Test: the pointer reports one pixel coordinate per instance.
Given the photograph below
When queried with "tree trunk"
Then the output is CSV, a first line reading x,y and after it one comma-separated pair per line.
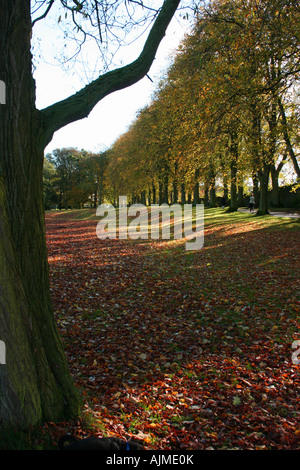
x,y
166,189
240,194
225,190
255,181
143,197
160,193
206,194
275,187
36,384
149,196
196,198
233,172
94,199
212,196
175,192
153,193
233,192
263,194
182,189
19,387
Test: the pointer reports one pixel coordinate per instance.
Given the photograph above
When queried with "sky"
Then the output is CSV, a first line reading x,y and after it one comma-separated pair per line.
x,y
112,116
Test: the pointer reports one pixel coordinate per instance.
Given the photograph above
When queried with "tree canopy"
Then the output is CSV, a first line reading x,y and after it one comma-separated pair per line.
x,y
227,108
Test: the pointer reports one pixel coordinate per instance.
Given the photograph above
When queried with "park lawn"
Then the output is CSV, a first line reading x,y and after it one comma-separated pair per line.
x,y
181,349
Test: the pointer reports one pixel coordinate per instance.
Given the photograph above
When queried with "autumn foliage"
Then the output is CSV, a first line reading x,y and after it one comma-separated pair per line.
x,y
225,112
182,350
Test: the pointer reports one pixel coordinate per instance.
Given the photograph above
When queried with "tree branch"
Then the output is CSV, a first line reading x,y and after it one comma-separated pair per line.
x,y
79,105
44,15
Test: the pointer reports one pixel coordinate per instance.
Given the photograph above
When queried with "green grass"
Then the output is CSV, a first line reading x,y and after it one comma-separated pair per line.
x,y
74,214
212,217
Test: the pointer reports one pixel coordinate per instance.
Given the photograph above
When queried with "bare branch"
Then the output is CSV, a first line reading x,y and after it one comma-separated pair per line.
x,y
79,105
44,15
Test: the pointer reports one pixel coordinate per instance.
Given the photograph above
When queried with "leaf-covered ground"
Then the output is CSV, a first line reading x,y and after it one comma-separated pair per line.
x,y
181,349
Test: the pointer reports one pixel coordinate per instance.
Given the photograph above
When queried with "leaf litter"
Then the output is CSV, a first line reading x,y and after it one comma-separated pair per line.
x,y
188,350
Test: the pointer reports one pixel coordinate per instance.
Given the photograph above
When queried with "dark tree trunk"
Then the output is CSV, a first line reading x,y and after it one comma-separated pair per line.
x,y
160,193
196,199
275,187
240,194
182,190
153,193
233,192
212,196
143,197
175,192
263,176
166,189
149,198
233,171
206,195
255,186
225,190
36,384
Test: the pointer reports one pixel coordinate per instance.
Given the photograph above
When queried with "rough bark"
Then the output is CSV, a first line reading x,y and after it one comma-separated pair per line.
x,y
18,378
35,383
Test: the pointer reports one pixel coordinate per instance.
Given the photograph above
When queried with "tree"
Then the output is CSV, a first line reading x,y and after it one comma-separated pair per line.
x,y
97,168
66,162
36,384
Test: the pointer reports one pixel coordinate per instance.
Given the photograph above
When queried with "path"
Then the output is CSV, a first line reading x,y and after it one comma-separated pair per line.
x,y
294,214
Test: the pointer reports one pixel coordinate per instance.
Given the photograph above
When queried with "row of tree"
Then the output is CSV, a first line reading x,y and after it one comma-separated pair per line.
x,y
226,110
